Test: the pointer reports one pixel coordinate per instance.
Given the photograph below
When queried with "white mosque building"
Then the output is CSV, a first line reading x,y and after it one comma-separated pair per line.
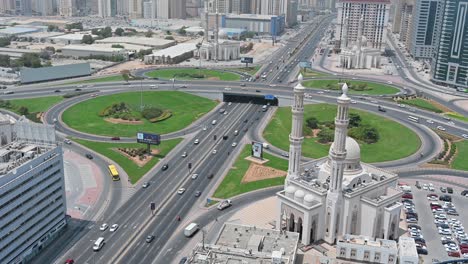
x,y
340,195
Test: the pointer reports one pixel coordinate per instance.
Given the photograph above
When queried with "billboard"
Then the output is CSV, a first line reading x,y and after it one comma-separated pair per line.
x,y
305,64
147,138
246,60
257,150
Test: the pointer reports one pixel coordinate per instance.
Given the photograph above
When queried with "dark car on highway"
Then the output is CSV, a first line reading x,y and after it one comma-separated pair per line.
x,y
165,167
89,156
115,138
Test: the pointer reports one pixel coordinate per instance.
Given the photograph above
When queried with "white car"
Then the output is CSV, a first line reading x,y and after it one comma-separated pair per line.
x,y
114,227
374,102
227,88
451,123
184,154
181,191
320,92
425,187
353,102
441,128
196,141
431,188
430,121
234,144
401,105
194,176
214,151
67,141
103,227
465,136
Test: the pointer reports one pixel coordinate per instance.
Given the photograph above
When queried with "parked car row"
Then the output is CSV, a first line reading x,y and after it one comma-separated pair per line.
x,y
450,230
414,229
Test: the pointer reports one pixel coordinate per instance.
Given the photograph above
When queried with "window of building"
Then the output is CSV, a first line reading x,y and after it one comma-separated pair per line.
x,y
366,255
353,253
377,257
342,252
391,258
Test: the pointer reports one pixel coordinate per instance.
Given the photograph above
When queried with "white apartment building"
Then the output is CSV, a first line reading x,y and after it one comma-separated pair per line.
x,y
135,8
67,8
375,18
366,249
32,191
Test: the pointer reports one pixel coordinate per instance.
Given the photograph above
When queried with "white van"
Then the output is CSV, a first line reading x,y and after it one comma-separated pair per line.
x,y
98,244
191,229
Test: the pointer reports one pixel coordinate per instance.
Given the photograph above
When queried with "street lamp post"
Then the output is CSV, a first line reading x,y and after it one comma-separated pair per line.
x,y
199,57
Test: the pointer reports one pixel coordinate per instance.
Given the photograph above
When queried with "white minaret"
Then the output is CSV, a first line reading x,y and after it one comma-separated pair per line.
x,y
296,138
337,155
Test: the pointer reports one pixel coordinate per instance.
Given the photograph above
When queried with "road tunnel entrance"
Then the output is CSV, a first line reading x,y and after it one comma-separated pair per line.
x,y
261,99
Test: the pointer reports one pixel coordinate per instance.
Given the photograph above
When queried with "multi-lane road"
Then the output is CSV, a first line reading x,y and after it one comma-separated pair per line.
x,y
135,218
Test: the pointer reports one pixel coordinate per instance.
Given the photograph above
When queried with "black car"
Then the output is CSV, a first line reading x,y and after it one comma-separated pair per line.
x,y
446,198
57,91
420,240
210,176
258,91
414,226
412,215
421,251
464,192
197,194
149,238
165,167
183,260
449,189
381,109
77,89
89,156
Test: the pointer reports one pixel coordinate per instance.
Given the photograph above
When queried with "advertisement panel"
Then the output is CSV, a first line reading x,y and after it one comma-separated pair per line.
x,y
257,150
147,138
246,60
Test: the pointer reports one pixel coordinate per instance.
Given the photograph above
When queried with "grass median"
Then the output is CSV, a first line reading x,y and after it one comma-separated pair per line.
x,y
232,184
460,162
134,171
193,74
395,141
369,88
34,106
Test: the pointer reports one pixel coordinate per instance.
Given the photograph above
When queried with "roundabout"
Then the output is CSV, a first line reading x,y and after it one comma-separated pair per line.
x,y
97,116
390,133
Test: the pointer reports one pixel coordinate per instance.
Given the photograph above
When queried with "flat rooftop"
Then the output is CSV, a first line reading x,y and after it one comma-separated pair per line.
x,y
150,42
176,50
18,153
251,16
407,247
91,48
364,240
17,30
249,244
74,36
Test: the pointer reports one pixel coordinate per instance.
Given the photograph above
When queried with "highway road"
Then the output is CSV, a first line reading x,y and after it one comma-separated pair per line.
x,y
135,218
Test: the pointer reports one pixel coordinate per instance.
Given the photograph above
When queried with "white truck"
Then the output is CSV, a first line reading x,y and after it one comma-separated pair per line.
x,y
191,229
265,145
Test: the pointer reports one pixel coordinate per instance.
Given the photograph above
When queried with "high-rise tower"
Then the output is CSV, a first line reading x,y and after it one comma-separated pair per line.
x,y
337,155
296,138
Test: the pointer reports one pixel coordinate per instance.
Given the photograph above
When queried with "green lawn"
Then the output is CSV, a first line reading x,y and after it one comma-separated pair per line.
x,y
113,78
185,108
376,88
134,171
312,73
421,103
396,141
457,116
231,184
461,159
249,70
182,74
35,105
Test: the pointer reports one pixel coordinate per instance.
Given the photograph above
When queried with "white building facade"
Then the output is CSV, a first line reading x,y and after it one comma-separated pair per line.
x,y
339,195
32,192
366,249
375,18
67,8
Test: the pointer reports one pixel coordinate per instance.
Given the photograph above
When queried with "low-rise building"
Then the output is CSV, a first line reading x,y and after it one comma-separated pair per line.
x,y
407,252
261,24
79,51
16,53
69,39
366,249
32,190
248,244
156,43
34,75
172,55
18,31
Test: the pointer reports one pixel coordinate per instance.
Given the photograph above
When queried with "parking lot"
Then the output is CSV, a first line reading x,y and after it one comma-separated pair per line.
x,y
426,218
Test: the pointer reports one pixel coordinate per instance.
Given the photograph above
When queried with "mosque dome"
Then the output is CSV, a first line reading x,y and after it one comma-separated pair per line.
x,y
353,151
309,198
290,190
299,195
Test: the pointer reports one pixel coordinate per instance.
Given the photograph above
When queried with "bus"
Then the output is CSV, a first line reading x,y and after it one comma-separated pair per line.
x,y
114,173
414,119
